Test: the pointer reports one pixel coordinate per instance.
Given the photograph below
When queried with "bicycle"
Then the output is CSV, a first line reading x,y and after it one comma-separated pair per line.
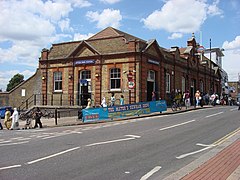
x,y
176,105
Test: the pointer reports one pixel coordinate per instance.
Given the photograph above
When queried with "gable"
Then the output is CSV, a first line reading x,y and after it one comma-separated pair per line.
x,y
106,33
85,51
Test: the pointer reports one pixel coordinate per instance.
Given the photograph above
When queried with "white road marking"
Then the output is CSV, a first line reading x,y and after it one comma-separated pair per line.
x,y
5,142
53,155
176,125
150,173
14,143
10,167
204,145
194,152
233,109
213,114
112,141
134,136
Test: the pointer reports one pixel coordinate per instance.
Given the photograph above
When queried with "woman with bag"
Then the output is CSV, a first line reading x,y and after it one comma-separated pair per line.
x,y
7,119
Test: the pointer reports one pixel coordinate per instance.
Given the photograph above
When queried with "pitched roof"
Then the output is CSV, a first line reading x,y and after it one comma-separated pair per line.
x,y
107,41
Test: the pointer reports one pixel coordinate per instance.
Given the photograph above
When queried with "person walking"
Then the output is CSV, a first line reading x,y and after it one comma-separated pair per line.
x,y
7,119
153,96
122,100
38,114
15,118
186,97
112,100
103,103
1,127
197,97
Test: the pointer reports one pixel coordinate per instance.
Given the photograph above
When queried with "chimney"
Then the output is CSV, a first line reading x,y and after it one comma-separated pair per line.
x,y
44,54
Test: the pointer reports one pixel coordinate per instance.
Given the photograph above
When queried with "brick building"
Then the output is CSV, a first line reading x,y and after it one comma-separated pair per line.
x,y
113,61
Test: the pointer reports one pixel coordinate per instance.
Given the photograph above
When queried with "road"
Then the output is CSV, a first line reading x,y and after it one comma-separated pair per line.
x,y
143,148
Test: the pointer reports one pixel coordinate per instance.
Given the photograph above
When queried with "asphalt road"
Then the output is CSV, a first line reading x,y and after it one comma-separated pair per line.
x,y
145,148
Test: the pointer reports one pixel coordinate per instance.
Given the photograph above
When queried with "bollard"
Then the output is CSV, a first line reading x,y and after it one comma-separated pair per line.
x,y
55,116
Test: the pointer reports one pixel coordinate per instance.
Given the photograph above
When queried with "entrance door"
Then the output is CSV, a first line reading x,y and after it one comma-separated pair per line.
x,y
150,84
84,87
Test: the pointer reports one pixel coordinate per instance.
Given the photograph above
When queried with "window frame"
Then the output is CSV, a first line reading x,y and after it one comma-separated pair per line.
x,y
168,83
58,80
115,80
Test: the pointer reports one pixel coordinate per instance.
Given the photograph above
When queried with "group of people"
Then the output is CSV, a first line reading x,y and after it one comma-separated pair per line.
x,y
112,101
11,121
198,99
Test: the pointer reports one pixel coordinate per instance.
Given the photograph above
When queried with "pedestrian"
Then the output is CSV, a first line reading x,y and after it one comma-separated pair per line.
x,y
7,119
186,97
153,96
15,118
1,127
103,103
112,100
38,114
122,100
89,104
197,98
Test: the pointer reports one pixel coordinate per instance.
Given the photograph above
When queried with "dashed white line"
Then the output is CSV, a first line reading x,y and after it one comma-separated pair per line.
x,y
213,114
112,141
150,173
14,143
53,155
176,125
10,167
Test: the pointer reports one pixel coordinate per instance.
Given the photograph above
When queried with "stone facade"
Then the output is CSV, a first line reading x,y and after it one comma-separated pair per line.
x,y
145,63
25,95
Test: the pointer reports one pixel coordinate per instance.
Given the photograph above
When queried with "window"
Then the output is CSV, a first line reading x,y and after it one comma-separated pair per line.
x,y
115,79
183,84
86,74
57,81
201,86
151,75
168,83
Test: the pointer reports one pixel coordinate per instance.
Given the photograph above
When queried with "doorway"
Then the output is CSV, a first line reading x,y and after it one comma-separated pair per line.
x,y
84,87
150,84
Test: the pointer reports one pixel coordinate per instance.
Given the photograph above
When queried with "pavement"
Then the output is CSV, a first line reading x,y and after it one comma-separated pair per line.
x,y
221,163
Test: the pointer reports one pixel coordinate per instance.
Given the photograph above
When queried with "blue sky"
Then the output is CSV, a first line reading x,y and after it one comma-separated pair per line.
x,y
28,26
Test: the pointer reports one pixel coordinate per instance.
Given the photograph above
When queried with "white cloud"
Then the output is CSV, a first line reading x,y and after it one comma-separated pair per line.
x,y
181,16
231,63
235,44
213,9
79,37
108,17
65,25
175,36
231,59
110,1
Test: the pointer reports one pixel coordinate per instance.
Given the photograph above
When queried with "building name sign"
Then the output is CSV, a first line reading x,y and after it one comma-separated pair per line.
x,y
90,61
153,62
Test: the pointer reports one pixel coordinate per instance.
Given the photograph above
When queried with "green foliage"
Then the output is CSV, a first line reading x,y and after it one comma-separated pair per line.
x,y
16,80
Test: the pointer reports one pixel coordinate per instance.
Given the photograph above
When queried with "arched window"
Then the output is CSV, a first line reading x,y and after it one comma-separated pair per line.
x,y
115,79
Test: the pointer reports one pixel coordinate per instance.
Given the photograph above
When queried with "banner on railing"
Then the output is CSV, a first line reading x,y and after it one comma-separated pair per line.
x,y
108,113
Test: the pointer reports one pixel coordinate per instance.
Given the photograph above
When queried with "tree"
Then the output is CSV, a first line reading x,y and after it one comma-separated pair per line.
x,y
16,80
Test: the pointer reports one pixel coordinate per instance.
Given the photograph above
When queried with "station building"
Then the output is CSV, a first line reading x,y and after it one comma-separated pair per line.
x,y
113,61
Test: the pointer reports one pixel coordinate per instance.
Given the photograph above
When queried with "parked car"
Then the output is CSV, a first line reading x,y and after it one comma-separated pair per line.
x,y
3,110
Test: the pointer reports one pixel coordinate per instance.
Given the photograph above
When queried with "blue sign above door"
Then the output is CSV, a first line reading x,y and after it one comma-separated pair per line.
x,y
89,61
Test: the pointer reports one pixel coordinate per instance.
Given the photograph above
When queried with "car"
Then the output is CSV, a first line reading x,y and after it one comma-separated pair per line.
x,y
3,110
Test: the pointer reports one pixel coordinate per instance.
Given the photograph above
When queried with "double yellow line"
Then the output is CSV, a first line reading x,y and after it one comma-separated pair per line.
x,y
223,139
